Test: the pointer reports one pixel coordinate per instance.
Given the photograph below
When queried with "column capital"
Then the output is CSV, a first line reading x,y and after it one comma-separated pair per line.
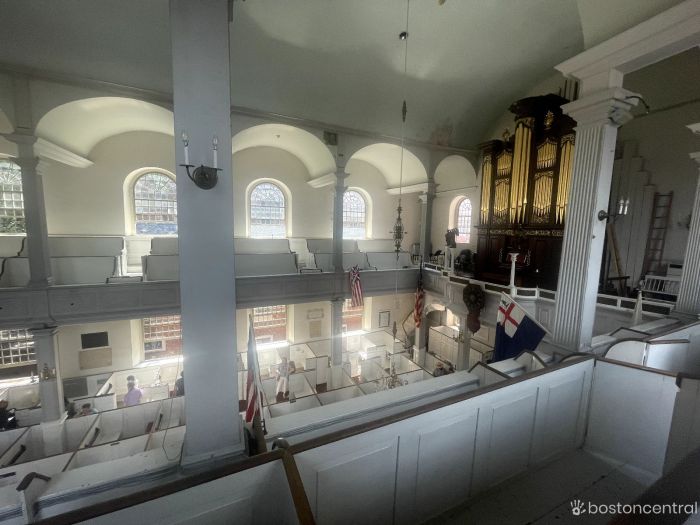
x,y
696,157
27,163
609,106
20,138
44,333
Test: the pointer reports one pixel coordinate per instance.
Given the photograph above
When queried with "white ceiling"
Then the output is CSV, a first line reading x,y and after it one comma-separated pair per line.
x,y
335,61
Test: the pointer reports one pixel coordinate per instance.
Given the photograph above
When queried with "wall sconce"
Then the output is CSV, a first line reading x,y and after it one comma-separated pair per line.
x,y
622,209
204,177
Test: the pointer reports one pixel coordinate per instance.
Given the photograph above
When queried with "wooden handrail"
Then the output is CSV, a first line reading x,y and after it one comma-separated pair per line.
x,y
296,486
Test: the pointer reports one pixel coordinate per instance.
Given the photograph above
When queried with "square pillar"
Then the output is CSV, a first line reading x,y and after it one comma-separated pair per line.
x,y
50,381
688,301
202,101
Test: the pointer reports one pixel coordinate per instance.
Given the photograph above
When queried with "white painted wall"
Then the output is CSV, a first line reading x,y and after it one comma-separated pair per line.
x,y
122,340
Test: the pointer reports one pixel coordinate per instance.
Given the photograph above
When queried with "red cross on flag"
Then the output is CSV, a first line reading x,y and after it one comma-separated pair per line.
x,y
515,330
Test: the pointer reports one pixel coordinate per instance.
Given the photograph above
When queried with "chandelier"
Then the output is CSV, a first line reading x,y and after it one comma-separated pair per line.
x,y
398,231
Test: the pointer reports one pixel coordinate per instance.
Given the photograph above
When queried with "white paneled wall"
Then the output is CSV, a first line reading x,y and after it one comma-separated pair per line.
x,y
630,415
409,471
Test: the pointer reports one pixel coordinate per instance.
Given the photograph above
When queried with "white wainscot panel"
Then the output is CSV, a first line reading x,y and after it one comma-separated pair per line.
x,y
511,435
350,487
560,424
445,462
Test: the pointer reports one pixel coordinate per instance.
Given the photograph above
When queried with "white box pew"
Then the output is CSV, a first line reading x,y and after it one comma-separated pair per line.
x,y
28,447
117,383
160,267
324,261
23,396
510,367
155,393
100,403
487,375
255,265
379,338
171,440
414,377
90,246
173,412
167,267
169,373
298,246
108,452
628,351
15,272
28,417
375,245
326,245
388,260
252,246
9,437
11,476
122,423
281,409
673,356
342,394
75,430
164,246
11,245
84,270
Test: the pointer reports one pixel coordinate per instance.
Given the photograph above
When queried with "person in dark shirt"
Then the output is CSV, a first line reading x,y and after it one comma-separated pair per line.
x,y
7,417
180,385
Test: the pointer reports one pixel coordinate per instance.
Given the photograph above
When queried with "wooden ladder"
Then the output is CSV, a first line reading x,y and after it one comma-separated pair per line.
x,y
656,238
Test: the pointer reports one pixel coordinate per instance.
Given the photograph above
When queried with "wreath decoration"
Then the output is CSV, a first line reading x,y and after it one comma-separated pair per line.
x,y
474,297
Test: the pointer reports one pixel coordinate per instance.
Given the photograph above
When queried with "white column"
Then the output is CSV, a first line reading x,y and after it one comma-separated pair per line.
x,y
51,387
513,262
340,188
37,242
426,208
689,293
337,332
202,98
598,115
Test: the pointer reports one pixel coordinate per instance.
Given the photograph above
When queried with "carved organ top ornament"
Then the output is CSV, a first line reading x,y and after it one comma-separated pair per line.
x,y
524,194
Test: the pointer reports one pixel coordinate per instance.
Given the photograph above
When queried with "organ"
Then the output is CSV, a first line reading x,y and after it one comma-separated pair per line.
x,y
524,194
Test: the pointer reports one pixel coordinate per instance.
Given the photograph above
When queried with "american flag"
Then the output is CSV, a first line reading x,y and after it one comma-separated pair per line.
x,y
253,388
356,286
418,310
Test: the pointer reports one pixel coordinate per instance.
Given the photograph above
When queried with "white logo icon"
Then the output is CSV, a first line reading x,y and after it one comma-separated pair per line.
x,y
577,507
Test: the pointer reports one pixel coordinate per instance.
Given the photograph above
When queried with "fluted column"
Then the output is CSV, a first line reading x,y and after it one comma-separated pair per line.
x,y
50,382
689,293
426,209
598,116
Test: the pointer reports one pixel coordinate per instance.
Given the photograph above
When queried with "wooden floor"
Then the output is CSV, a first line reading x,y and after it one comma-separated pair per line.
x,y
544,496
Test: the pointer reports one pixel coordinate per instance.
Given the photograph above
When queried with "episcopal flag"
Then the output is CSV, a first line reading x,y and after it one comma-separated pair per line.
x,y
515,330
418,309
252,386
355,286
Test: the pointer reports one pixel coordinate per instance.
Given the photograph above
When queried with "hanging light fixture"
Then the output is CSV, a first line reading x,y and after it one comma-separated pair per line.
x,y
398,231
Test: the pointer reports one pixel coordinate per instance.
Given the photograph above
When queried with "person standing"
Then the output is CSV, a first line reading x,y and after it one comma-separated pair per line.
x,y
134,394
180,385
283,371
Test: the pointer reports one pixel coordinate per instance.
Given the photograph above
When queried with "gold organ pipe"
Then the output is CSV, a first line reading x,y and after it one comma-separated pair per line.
x,y
521,158
565,172
487,172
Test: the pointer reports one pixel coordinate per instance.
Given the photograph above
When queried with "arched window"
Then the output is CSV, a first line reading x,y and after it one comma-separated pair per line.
x,y
464,221
155,204
268,212
12,200
354,215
